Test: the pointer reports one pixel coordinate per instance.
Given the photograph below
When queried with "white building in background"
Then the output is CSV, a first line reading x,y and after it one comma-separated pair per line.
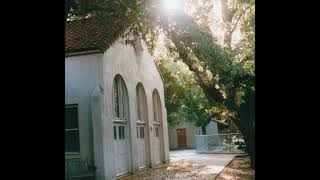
x,y
115,116
182,136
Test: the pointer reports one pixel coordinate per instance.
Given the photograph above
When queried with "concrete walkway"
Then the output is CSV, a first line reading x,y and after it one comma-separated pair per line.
x,y
214,163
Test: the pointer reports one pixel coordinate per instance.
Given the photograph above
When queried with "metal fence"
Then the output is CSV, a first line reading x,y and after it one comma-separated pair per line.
x,y
220,143
77,169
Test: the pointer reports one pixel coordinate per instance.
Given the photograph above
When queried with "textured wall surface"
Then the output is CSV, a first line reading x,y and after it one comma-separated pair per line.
x,y
89,81
82,74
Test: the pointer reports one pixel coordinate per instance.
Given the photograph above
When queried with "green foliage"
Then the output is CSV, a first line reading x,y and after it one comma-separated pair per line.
x,y
78,9
196,47
222,80
185,100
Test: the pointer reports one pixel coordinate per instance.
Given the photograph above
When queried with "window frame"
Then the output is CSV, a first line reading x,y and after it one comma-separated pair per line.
x,y
142,105
121,132
157,109
72,105
121,101
142,132
156,130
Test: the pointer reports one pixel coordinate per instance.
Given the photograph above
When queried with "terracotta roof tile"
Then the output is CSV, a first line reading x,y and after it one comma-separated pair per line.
x,y
96,33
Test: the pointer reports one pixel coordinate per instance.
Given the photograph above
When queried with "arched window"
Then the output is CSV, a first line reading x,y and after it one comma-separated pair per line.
x,y
156,106
120,99
141,104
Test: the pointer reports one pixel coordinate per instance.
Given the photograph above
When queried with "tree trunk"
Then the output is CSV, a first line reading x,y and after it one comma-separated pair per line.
x,y
227,38
251,149
204,131
231,16
67,7
199,62
227,17
247,129
246,124
196,65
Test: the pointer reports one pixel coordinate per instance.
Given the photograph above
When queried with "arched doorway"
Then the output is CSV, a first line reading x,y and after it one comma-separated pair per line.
x,y
157,124
142,128
121,129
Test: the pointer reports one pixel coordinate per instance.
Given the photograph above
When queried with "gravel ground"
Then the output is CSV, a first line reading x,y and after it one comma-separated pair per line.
x,y
238,169
176,169
185,165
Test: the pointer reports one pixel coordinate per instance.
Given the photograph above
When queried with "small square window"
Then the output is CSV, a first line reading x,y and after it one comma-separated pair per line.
x,y
137,132
114,132
121,132
141,132
157,131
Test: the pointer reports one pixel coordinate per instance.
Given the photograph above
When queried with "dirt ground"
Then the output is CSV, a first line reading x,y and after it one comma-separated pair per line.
x,y
185,165
176,169
238,169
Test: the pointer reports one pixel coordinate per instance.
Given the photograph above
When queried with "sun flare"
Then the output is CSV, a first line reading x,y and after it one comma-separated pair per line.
x,y
172,5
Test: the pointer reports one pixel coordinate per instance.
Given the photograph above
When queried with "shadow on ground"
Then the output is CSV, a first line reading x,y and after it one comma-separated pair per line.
x,y
187,165
176,169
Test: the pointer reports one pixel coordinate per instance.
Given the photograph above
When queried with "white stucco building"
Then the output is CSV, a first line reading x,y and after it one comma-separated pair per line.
x,y
115,116
182,136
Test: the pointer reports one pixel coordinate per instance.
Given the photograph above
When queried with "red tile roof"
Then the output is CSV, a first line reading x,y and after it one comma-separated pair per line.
x,y
96,33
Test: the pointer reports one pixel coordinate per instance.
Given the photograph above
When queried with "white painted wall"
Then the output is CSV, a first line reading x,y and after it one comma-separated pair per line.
x,y
191,131
133,67
82,75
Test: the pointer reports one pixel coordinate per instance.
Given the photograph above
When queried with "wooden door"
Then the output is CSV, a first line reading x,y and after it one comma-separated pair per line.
x,y
182,138
157,144
143,159
122,158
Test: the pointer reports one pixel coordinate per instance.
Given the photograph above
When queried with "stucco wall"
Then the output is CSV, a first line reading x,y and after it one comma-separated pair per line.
x,y
82,75
191,131
134,67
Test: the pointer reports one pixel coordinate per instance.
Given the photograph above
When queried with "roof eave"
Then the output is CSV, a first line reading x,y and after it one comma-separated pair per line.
x,y
219,122
83,52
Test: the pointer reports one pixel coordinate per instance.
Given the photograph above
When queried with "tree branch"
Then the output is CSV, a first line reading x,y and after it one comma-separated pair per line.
x,y
238,19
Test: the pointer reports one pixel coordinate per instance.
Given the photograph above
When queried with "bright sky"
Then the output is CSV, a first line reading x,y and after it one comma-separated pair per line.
x,y
216,27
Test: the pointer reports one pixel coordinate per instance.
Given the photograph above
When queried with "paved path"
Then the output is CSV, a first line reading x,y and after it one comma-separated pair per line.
x,y
213,162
